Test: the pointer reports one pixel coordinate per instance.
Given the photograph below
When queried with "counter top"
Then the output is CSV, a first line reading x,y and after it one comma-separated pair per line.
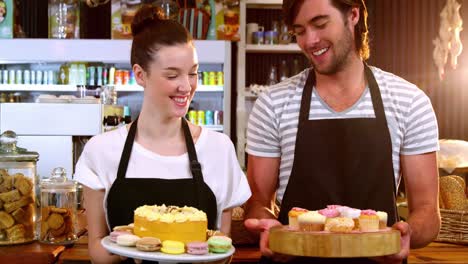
x,y
37,253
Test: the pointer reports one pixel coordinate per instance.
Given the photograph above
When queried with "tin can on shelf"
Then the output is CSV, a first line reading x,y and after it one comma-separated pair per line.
x,y
27,77
19,77
211,78
220,78
58,209
205,78
118,78
17,191
11,77
209,118
125,77
218,118
192,116
33,77
5,77
201,117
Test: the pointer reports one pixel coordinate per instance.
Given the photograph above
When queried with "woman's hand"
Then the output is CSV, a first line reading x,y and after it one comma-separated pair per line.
x,y
262,227
405,239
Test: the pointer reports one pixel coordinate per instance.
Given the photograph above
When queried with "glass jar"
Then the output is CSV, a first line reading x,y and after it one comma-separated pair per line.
x,y
17,192
58,209
64,19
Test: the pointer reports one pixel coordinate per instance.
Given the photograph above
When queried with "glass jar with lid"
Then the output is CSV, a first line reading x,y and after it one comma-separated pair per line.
x,y
58,209
17,191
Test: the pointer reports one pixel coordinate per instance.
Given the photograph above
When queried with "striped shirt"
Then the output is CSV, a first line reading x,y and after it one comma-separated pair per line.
x,y
272,127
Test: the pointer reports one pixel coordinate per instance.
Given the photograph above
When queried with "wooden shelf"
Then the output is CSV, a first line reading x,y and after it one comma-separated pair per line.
x,y
289,48
264,4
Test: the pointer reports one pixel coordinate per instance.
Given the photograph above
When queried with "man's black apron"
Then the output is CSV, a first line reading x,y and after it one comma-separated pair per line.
x,y
341,161
126,194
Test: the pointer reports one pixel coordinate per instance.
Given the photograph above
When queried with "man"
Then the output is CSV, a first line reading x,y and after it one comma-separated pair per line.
x,y
341,133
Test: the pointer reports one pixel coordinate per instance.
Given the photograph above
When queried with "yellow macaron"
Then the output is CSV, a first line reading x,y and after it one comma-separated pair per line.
x,y
173,247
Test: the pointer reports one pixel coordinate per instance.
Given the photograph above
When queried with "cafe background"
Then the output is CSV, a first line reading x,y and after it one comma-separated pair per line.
x,y
401,33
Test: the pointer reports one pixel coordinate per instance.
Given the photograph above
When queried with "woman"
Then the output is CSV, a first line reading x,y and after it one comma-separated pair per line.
x,y
160,157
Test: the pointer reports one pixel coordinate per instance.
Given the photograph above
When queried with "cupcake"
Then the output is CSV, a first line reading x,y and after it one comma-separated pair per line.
x,y
351,213
368,221
382,219
339,225
329,212
311,221
293,214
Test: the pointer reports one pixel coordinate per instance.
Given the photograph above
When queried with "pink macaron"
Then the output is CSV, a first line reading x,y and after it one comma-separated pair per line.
x,y
114,234
197,248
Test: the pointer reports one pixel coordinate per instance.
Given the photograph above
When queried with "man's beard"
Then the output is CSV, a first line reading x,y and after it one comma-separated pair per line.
x,y
343,48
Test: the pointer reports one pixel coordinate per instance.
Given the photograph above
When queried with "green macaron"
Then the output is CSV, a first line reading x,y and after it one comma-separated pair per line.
x,y
219,244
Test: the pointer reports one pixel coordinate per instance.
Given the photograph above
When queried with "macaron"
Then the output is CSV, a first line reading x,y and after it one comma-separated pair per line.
x,y
114,234
127,240
148,244
123,228
219,244
172,247
197,248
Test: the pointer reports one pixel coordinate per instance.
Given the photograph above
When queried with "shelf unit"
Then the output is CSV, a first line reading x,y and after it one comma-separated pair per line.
x,y
211,53
74,88
52,129
289,48
246,98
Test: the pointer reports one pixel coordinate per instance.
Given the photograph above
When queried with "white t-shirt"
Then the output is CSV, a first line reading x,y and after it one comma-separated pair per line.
x,y
272,126
99,161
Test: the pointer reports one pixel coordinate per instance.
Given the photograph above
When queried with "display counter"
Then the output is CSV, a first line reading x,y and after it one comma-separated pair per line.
x,y
441,253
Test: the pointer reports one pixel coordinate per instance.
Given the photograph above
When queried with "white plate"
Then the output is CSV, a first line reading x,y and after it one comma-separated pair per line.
x,y
132,252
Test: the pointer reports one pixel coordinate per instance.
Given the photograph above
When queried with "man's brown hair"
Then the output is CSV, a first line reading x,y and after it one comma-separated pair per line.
x,y
361,32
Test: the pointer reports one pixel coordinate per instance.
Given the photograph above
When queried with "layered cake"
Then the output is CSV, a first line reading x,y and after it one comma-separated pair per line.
x,y
184,224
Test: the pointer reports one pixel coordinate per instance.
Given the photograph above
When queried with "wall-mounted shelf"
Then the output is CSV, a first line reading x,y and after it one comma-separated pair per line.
x,y
267,4
38,88
73,88
215,128
289,48
105,50
200,88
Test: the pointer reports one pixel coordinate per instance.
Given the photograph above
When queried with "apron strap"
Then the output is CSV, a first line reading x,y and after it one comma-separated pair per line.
x,y
195,166
127,150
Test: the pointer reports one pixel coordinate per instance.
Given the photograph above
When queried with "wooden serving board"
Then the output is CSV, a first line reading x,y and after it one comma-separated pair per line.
x,y
330,245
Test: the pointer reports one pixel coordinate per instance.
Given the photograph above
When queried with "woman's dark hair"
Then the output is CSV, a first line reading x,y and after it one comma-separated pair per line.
x,y
150,33
361,31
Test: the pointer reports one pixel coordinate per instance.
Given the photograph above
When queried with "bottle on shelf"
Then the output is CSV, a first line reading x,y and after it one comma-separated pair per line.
x,y
272,76
283,71
63,74
296,69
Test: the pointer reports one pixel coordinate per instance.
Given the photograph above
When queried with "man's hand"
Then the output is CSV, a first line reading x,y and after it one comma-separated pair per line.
x,y
405,230
262,227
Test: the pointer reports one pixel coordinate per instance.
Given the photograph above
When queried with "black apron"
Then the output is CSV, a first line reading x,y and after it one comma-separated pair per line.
x,y
126,194
341,161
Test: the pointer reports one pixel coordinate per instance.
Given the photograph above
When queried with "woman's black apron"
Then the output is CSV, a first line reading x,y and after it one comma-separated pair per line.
x,y
341,161
126,194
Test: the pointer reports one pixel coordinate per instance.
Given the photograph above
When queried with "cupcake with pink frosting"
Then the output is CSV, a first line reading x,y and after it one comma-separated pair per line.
x,y
368,221
329,212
